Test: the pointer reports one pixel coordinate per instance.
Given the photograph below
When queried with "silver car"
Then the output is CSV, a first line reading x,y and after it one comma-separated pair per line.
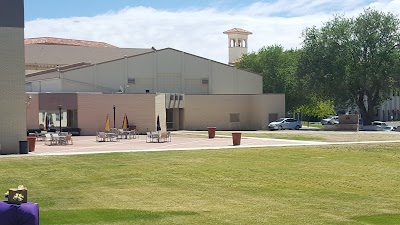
x,y
330,120
285,123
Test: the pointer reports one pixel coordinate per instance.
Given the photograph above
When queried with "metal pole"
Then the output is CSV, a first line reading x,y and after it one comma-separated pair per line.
x,y
114,115
59,109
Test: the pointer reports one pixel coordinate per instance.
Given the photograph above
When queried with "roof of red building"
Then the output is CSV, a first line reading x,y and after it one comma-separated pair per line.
x,y
63,41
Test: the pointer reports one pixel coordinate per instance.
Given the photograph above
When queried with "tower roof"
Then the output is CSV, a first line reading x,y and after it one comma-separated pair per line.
x,y
237,31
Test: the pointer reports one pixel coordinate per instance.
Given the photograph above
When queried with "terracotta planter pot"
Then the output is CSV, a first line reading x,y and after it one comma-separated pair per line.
x,y
236,137
31,143
211,132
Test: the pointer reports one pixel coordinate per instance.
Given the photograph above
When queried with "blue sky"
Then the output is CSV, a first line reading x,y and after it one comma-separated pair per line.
x,y
191,26
57,9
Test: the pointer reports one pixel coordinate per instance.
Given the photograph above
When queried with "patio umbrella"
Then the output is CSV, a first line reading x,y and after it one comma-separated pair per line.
x,y
46,122
107,127
125,124
158,123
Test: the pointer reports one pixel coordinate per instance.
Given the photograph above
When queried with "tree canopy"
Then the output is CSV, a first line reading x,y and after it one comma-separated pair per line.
x,y
353,61
278,68
348,62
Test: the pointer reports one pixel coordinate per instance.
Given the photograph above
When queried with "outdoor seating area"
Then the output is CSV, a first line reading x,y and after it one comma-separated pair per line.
x,y
60,138
158,137
116,135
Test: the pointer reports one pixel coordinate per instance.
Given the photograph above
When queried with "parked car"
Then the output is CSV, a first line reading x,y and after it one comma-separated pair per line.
x,y
330,120
285,123
382,125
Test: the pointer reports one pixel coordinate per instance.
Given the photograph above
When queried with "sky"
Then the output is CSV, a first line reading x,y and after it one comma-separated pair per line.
x,y
195,27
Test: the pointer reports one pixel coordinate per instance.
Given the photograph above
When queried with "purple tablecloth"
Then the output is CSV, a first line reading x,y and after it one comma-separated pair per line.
x,y
23,214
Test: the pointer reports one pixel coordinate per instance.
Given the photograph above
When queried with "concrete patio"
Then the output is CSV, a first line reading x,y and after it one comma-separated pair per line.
x,y
89,145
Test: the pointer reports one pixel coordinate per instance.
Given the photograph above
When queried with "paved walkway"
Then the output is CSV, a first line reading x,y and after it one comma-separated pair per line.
x,y
88,145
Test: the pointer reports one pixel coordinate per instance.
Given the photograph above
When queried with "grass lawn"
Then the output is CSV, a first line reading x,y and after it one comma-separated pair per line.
x,y
347,184
325,136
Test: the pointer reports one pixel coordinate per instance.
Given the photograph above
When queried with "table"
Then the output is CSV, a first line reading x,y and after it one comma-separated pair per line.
x,y
60,139
126,133
111,136
19,214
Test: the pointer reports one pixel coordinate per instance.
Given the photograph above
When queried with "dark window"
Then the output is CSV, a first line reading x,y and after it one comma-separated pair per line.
x,y
234,117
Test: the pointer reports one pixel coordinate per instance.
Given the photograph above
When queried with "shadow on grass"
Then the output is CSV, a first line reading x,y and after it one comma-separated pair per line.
x,y
383,219
95,216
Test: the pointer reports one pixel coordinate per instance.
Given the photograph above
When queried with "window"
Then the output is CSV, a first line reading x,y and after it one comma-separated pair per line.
x,y
58,116
204,81
131,81
234,117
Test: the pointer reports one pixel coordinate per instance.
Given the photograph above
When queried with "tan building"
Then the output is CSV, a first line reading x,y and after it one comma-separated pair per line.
x,y
12,94
186,91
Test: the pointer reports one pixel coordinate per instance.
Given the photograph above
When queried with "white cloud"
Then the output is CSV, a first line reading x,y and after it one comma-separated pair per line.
x,y
199,31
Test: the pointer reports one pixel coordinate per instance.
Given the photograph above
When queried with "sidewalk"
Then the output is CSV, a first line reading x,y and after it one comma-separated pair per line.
x,y
88,145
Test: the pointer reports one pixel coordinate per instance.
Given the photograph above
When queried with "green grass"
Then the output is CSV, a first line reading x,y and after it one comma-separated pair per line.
x,y
352,185
288,136
278,135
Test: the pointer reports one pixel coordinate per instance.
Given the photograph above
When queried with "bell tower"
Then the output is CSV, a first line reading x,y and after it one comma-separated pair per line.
x,y
237,43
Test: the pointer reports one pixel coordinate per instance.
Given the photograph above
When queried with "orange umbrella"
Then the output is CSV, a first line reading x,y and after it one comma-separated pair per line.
x,y
125,124
107,127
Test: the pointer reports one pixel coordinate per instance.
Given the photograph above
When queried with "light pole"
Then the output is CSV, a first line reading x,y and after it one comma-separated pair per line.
x,y
114,115
59,110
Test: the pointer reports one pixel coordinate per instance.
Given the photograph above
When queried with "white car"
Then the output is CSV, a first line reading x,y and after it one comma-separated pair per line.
x,y
285,123
381,125
330,120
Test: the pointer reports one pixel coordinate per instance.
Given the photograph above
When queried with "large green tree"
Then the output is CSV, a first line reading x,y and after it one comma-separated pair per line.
x,y
353,61
278,68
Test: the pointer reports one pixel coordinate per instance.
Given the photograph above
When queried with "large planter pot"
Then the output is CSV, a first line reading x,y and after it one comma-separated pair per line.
x,y
236,137
211,132
31,143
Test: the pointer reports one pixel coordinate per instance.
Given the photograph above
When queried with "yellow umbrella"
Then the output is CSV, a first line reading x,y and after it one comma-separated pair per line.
x,y
125,123
46,119
107,127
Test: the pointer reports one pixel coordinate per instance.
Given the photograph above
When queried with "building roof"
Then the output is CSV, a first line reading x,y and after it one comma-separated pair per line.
x,y
63,41
237,31
68,54
51,73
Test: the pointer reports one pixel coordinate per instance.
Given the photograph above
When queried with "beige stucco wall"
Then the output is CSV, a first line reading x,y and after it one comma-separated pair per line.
x,y
202,111
263,105
140,108
167,70
32,111
12,89
160,111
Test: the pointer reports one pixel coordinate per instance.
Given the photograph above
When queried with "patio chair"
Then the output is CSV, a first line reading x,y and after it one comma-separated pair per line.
x,y
133,134
49,138
164,137
148,136
38,136
101,136
69,139
151,136
169,136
